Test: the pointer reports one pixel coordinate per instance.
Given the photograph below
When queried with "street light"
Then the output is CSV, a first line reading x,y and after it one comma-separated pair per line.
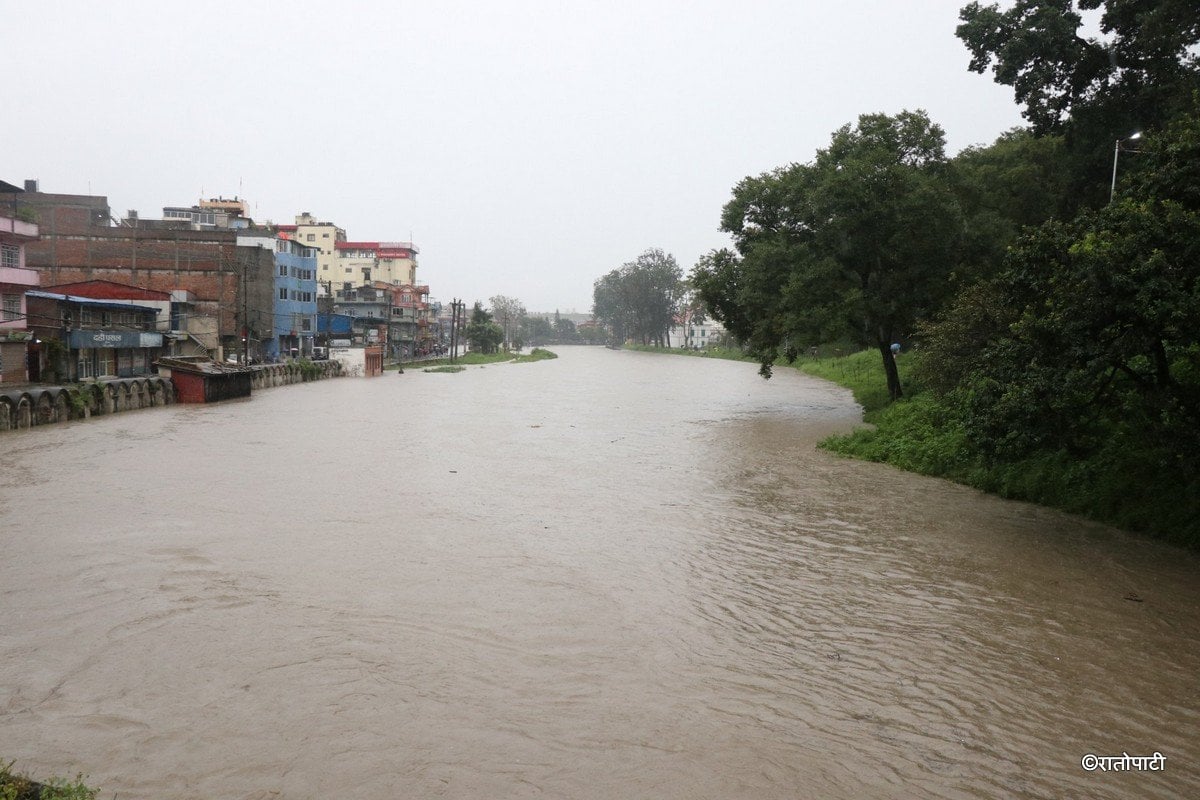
x,y
1116,153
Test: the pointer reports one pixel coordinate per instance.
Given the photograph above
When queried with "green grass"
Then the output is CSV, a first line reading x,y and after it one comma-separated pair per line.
x,y
479,359
20,787
536,354
466,359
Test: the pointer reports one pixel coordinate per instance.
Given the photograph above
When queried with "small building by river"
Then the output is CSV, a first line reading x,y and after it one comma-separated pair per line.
x,y
199,380
80,337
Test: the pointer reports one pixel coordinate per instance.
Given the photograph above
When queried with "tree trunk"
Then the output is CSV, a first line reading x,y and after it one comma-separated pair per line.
x,y
889,367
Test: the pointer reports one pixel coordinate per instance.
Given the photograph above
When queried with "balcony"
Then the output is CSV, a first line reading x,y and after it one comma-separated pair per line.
x,y
17,231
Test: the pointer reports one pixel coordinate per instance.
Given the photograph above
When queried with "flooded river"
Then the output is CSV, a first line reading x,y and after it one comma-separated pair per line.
x,y
612,575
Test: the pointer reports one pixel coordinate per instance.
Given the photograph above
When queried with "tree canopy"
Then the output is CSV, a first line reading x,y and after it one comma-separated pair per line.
x,y
858,243
639,300
483,335
1137,75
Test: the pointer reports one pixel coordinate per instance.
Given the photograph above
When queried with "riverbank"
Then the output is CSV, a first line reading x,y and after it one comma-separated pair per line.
x,y
477,360
14,786
918,434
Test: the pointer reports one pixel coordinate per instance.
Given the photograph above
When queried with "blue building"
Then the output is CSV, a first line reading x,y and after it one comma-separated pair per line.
x,y
295,307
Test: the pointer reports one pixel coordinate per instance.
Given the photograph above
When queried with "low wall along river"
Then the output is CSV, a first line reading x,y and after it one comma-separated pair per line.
x,y
612,574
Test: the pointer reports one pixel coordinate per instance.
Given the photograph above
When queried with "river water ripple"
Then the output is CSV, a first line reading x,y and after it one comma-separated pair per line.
x,y
611,575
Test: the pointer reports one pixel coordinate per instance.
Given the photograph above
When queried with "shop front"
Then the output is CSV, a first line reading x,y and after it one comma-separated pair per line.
x,y
122,354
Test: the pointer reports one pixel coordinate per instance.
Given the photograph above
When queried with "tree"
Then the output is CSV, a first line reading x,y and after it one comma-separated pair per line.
x,y
564,329
508,313
483,335
859,242
1089,339
536,330
1138,75
640,299
1018,181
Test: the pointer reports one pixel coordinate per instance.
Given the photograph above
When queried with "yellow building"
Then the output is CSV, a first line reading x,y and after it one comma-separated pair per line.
x,y
324,236
359,263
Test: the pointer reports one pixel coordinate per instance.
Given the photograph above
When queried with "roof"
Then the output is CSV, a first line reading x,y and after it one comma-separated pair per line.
x,y
88,301
200,365
390,246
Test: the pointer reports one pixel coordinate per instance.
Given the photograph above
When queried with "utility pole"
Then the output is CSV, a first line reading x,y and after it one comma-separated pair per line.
x,y
245,311
387,332
454,322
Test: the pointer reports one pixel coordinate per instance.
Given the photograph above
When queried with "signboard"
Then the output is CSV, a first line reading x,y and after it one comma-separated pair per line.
x,y
91,339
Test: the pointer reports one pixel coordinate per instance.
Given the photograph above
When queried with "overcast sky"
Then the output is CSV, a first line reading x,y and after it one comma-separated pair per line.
x,y
526,147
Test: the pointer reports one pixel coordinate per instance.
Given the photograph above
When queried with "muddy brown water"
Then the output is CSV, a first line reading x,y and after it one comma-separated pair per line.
x,y
611,575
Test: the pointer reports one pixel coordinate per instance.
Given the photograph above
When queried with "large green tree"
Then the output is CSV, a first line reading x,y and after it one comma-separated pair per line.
x,y
860,242
483,335
1089,339
640,299
1019,180
1138,73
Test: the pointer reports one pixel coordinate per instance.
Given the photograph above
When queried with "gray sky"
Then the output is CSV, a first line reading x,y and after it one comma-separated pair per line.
x,y
527,148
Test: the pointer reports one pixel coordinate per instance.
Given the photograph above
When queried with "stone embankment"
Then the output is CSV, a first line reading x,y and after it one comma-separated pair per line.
x,y
31,405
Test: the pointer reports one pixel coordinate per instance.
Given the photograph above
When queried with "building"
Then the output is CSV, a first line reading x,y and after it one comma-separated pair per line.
x,y
310,231
694,332
414,330
294,314
215,213
367,262
369,310
183,333
15,281
79,243
204,381
85,338
233,289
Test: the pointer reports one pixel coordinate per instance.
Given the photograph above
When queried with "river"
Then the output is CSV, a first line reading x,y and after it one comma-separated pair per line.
x,y
611,575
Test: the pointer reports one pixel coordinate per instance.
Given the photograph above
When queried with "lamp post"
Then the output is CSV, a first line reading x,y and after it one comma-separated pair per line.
x,y
1116,154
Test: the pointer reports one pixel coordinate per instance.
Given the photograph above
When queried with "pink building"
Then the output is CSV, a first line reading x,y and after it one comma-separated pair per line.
x,y
15,339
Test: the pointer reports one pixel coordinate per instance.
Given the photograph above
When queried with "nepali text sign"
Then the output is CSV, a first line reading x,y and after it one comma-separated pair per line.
x,y
89,340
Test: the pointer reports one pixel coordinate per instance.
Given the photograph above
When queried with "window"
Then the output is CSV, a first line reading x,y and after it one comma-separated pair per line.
x,y
85,364
282,271
306,324
107,362
12,306
283,294
324,235
10,255
312,237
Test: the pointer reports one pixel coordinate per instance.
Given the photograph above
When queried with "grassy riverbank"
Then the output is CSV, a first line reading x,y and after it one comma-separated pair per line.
x,y
1119,485
477,360
19,787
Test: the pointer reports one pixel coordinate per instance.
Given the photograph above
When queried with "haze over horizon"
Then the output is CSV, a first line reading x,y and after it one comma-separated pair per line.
x,y
525,149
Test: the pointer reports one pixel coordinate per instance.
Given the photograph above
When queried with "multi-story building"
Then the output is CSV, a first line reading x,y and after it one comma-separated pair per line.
x,y
324,236
401,315
96,338
214,213
183,333
294,311
361,263
15,280
696,332
78,242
